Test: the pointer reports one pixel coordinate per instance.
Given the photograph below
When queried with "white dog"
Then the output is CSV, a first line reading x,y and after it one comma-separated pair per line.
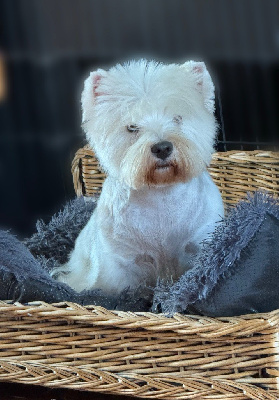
x,y
152,128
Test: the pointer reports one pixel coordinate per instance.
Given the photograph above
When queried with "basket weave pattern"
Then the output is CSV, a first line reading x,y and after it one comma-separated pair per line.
x,y
234,172
144,354
141,354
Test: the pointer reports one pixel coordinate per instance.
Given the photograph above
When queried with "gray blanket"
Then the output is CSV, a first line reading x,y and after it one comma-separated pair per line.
x,y
236,273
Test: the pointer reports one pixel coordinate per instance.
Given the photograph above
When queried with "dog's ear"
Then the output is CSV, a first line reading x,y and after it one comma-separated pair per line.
x,y
90,92
204,83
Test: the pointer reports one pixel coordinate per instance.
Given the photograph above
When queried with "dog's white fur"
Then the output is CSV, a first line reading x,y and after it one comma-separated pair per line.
x,y
152,213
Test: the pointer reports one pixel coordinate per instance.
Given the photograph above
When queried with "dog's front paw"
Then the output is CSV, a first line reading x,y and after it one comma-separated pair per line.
x,y
73,277
60,273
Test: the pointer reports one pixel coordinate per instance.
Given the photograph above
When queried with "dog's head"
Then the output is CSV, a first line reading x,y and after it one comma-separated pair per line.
x,y
150,123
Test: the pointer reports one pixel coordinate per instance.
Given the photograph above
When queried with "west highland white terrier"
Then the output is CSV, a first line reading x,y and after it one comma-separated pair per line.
x,y
152,128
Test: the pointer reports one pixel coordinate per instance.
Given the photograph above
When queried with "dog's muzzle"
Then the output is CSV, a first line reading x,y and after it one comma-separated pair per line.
x,y
162,149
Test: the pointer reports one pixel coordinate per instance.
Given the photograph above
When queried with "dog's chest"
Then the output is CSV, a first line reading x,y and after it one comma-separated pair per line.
x,y
159,219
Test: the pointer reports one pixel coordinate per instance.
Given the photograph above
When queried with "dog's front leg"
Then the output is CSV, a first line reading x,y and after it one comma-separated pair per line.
x,y
76,270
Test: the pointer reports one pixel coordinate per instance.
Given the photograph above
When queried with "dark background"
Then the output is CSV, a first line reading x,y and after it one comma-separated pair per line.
x,y
49,47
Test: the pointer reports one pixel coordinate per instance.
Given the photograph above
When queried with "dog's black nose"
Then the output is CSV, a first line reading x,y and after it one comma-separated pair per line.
x,y
162,149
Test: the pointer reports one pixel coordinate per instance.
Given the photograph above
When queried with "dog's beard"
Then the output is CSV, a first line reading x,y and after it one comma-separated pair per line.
x,y
165,173
140,168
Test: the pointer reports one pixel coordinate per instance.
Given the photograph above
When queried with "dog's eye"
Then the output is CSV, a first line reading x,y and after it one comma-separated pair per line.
x,y
132,128
177,119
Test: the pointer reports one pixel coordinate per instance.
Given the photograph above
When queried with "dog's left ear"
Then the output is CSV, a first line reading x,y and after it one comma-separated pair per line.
x,y
204,83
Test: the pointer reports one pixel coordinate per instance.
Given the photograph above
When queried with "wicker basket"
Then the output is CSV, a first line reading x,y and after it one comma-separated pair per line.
x,y
144,354
234,172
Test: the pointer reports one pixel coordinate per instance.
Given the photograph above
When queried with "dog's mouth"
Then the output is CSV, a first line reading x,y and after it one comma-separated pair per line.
x,y
165,172
163,166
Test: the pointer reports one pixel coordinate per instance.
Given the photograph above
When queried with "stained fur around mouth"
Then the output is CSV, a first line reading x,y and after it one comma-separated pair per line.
x,y
164,165
171,173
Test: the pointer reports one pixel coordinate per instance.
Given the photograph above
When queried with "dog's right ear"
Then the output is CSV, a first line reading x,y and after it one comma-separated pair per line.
x,y
90,92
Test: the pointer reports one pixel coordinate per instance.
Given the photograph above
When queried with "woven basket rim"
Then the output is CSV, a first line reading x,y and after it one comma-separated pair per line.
x,y
134,384
97,315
